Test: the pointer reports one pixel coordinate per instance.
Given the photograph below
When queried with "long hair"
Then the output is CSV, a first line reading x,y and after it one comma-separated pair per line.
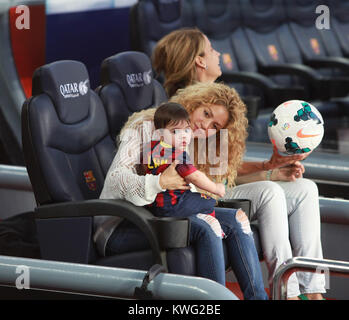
x,y
174,57
207,94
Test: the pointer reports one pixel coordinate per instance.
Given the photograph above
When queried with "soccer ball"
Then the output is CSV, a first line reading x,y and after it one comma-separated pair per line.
x,y
295,127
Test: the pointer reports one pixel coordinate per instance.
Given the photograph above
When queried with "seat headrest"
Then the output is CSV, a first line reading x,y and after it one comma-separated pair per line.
x,y
168,10
67,83
132,72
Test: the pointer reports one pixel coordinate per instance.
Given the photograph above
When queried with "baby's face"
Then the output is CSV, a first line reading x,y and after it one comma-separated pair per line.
x,y
178,135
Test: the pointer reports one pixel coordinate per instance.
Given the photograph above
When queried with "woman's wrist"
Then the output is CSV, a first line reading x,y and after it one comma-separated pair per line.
x,y
266,165
272,175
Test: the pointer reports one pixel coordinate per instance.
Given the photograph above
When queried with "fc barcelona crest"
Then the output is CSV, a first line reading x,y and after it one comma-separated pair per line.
x,y
90,180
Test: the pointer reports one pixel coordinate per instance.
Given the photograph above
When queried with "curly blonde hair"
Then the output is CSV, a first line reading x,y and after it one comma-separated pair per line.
x,y
207,94
174,57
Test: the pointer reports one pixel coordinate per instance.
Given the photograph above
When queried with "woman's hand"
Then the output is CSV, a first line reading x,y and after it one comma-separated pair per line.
x,y
220,190
291,172
278,161
171,180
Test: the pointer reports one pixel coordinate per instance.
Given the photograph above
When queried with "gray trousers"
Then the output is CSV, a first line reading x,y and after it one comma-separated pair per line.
x,y
288,217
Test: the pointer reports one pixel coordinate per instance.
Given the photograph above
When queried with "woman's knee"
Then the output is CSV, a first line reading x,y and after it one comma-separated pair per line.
x,y
271,191
232,218
207,226
307,187
243,221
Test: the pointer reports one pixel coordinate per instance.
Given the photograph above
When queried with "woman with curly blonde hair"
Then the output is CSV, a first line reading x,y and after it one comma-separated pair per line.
x,y
213,108
285,205
198,99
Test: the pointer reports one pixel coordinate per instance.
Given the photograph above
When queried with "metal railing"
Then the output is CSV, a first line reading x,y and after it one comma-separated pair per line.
x,y
331,267
99,281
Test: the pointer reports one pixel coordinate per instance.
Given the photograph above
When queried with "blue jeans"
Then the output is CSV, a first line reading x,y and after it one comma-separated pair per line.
x,y
242,255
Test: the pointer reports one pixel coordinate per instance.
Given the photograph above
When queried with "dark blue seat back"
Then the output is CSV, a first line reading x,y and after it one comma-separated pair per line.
x,y
221,22
153,19
302,17
262,22
66,132
339,28
128,86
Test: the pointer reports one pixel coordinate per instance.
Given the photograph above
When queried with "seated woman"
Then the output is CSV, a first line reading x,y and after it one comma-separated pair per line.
x,y
227,114
285,205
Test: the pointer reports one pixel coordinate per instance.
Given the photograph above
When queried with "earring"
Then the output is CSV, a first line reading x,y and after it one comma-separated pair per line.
x,y
205,66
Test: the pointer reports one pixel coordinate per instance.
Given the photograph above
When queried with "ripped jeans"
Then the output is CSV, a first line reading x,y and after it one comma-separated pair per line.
x,y
241,251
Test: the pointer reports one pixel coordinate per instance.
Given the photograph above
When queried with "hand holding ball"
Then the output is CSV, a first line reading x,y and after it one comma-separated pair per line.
x,y
296,127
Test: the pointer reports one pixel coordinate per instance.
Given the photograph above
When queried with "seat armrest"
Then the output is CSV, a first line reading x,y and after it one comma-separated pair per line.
x,y
177,229
252,78
292,69
329,62
243,204
274,94
320,86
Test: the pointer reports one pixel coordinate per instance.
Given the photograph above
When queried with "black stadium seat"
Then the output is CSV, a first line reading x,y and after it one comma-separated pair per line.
x,y
68,150
128,86
339,26
302,18
278,56
153,19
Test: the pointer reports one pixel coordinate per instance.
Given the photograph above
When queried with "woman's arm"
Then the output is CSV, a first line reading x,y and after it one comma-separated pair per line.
x,y
276,161
288,173
122,180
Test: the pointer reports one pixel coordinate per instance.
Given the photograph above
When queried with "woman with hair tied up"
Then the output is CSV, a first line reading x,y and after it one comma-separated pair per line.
x,y
285,204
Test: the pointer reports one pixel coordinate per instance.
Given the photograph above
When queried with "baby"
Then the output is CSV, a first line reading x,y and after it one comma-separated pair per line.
x,y
172,120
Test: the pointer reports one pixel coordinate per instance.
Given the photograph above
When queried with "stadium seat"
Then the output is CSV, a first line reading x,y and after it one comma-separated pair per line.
x,y
302,22
221,22
278,56
68,150
128,86
339,29
277,52
153,19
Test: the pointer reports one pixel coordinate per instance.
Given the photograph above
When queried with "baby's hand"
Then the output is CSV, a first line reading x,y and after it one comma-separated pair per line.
x,y
220,190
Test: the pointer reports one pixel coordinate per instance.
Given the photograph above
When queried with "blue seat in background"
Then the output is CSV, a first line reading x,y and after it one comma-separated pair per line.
x,y
339,28
221,22
279,56
128,86
301,18
153,19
